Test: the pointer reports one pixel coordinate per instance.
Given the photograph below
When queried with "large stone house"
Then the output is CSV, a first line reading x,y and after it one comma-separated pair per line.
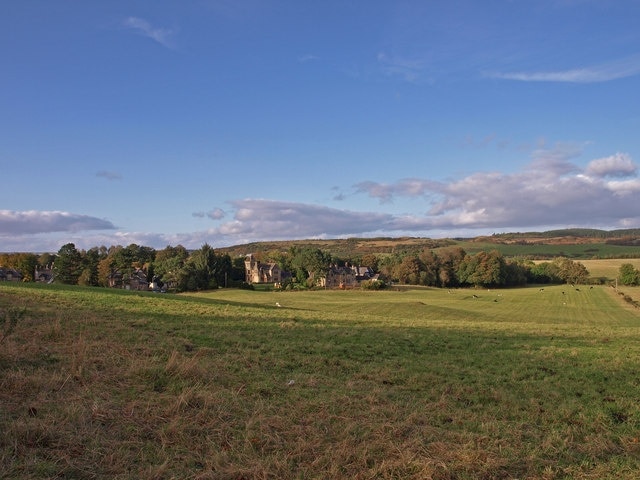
x,y
338,277
257,272
43,274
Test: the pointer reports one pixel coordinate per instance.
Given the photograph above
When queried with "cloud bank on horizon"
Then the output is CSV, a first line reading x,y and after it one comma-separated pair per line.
x,y
551,191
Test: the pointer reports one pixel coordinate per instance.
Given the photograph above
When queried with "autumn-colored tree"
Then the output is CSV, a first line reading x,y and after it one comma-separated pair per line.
x,y
483,269
448,264
570,271
408,271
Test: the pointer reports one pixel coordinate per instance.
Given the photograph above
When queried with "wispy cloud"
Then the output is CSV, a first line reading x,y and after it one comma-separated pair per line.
x,y
109,175
622,68
163,36
410,70
385,192
307,57
215,214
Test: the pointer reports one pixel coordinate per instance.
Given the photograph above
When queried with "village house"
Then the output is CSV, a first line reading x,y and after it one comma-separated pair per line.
x,y
136,281
10,275
348,276
364,273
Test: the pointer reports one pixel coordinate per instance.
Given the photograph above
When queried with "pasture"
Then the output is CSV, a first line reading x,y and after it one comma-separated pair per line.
x,y
412,383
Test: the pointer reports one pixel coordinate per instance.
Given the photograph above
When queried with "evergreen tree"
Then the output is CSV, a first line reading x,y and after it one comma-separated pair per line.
x,y
68,265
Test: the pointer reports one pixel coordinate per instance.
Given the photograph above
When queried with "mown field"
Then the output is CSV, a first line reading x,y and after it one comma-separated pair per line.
x,y
401,384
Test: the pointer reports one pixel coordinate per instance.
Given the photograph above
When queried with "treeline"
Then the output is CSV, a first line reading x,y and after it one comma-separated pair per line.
x,y
173,268
443,267
573,232
177,269
453,267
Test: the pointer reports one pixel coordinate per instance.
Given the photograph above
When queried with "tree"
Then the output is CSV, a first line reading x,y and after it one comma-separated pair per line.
x,y
628,274
89,275
169,262
68,265
430,265
105,269
449,260
204,270
483,269
387,266
544,272
369,260
570,271
308,262
516,272
408,271
26,264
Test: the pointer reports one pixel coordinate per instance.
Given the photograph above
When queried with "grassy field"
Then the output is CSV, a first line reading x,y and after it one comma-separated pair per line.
x,y
575,251
608,268
405,384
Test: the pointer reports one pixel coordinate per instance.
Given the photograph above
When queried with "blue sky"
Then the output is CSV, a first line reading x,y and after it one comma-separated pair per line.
x,y
223,122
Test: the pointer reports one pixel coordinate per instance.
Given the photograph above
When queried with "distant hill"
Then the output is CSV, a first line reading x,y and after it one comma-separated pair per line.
x,y
345,247
573,242
576,235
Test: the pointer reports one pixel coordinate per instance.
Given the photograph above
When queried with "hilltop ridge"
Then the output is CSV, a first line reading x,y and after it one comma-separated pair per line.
x,y
586,243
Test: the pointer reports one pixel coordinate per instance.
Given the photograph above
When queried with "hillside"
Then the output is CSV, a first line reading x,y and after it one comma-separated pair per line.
x,y
575,243
347,247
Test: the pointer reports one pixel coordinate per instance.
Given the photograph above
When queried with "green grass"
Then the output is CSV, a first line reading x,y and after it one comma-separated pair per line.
x,y
412,383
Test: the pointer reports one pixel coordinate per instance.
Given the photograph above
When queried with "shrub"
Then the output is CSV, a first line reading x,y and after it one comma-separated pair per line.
x,y
373,285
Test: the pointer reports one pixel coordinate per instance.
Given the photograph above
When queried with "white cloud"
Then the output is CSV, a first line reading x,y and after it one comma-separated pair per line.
x,y
161,35
618,165
621,68
36,222
549,191
276,219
